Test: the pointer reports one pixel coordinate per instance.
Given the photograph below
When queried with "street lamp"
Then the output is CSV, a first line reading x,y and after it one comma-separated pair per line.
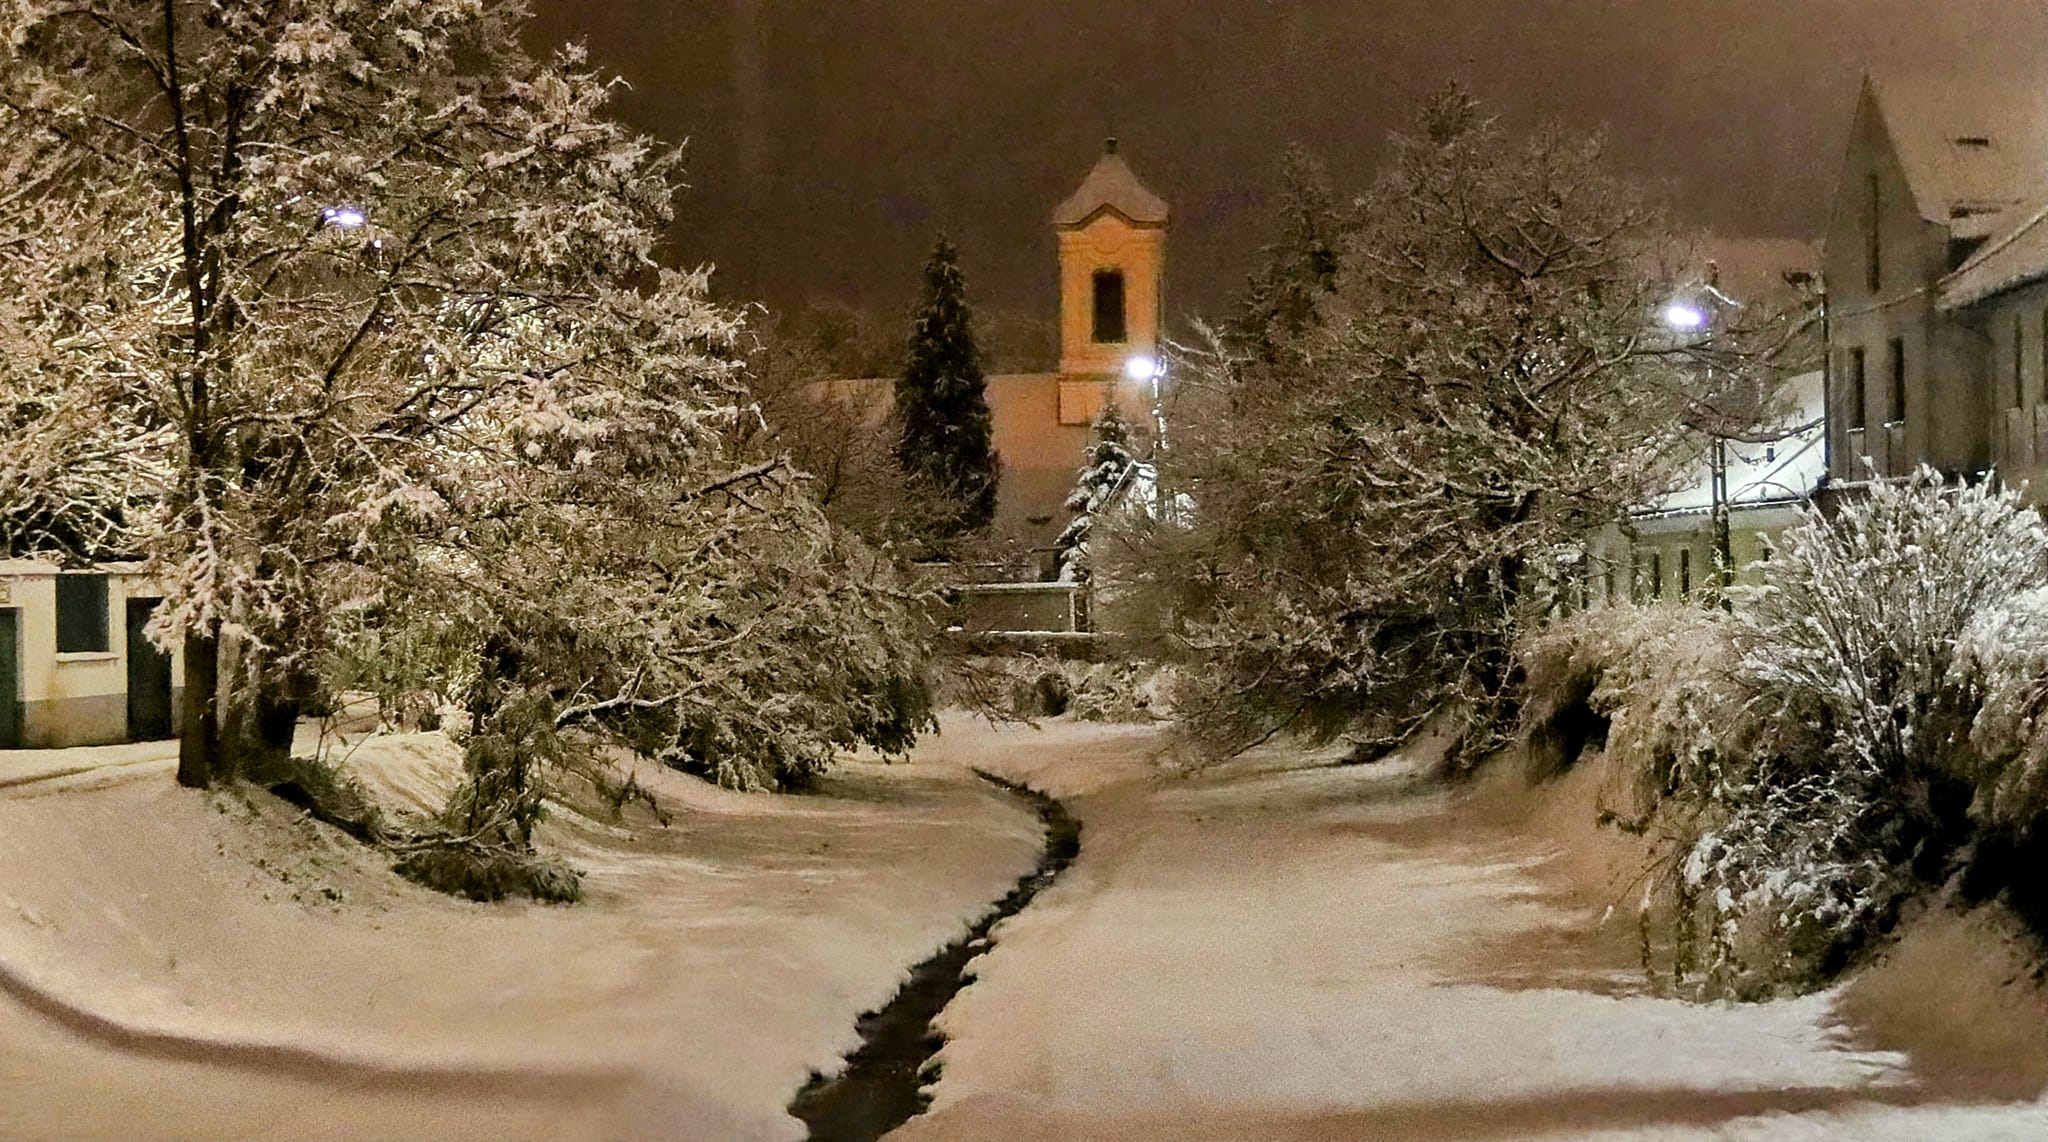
x,y
1685,317
1151,370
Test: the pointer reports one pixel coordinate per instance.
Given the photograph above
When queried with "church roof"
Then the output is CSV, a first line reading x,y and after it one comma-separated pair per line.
x,y
1973,147
1111,185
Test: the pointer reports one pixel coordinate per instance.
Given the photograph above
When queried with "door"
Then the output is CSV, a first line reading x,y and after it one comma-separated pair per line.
x,y
149,678
10,679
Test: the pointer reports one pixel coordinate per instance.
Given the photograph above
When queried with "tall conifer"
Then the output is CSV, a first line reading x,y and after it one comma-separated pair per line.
x,y
948,437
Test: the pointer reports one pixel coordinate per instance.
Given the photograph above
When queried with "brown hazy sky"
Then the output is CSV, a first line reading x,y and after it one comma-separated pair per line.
x,y
830,140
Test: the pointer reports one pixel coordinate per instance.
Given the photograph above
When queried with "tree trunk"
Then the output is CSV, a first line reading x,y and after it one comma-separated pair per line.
x,y
199,738
260,719
273,721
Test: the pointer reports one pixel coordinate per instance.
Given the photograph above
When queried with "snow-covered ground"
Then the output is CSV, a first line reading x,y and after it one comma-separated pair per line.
x,y
1277,950
1271,949
175,965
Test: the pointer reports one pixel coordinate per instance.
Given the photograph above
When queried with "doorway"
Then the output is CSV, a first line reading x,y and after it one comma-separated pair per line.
x,y
10,678
149,678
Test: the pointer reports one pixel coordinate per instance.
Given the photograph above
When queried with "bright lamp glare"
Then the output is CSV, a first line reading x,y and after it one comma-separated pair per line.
x,y
1141,368
344,217
1679,315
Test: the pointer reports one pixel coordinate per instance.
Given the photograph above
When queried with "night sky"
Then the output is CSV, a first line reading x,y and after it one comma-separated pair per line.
x,y
829,141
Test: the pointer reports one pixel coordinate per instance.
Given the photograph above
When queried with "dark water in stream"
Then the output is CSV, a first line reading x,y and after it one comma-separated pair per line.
x,y
883,1084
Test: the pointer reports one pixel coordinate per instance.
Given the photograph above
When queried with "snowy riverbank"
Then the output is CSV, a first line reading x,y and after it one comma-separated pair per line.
x,y
191,966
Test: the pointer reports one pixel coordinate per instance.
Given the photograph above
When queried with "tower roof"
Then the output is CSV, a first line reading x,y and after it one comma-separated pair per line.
x,y
1111,185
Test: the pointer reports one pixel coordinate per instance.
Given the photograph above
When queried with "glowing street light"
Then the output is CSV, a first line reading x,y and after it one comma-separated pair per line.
x,y
344,217
1685,317
1142,369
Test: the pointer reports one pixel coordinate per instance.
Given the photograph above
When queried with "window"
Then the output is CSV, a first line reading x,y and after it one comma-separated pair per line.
x,y
1656,575
1109,307
1856,382
1685,572
1897,410
82,626
1874,237
1607,583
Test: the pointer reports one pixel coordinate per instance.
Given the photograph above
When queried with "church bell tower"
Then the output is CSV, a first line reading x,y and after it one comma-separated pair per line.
x,y
1112,236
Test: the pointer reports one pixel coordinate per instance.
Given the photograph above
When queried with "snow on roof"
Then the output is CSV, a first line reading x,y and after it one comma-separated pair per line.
x,y
1789,468
2007,261
1973,146
1114,186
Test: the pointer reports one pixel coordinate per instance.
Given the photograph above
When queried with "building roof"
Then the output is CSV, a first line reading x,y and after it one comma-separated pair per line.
x,y
1974,147
1786,470
2009,260
1111,185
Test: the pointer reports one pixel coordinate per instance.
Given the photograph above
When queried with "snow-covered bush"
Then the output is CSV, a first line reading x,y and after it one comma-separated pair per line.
x,y
1649,685
1853,644
1036,685
1861,662
2006,651
1839,742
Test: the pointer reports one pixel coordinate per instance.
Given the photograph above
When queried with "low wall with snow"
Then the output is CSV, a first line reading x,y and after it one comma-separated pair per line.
x,y
986,608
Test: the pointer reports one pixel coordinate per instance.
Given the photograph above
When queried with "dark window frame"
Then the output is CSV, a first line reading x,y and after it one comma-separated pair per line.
x,y
84,619
1858,395
1112,323
1874,248
1656,575
1897,352
1684,572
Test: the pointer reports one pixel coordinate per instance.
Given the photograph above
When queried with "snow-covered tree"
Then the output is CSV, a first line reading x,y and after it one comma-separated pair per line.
x,y
947,439
1106,470
306,190
632,569
378,288
1374,503
837,434
1298,270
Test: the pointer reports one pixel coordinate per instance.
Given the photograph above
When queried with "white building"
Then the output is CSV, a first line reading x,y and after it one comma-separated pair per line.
x,y
75,668
1667,552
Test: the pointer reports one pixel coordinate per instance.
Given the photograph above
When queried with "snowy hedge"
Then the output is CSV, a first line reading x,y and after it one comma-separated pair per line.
x,y
1838,742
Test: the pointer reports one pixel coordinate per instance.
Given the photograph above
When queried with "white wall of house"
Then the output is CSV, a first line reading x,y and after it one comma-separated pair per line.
x,y
77,697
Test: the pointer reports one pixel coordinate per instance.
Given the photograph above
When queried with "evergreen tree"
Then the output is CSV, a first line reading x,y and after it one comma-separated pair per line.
x,y
947,442
1106,466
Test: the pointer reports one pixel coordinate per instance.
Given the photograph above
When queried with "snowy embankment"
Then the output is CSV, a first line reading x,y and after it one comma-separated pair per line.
x,y
176,965
1277,949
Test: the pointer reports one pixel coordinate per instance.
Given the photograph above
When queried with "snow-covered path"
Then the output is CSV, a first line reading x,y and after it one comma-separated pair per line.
x,y
1278,951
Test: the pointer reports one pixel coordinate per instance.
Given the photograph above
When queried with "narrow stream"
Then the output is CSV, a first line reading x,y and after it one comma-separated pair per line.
x,y
883,1084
